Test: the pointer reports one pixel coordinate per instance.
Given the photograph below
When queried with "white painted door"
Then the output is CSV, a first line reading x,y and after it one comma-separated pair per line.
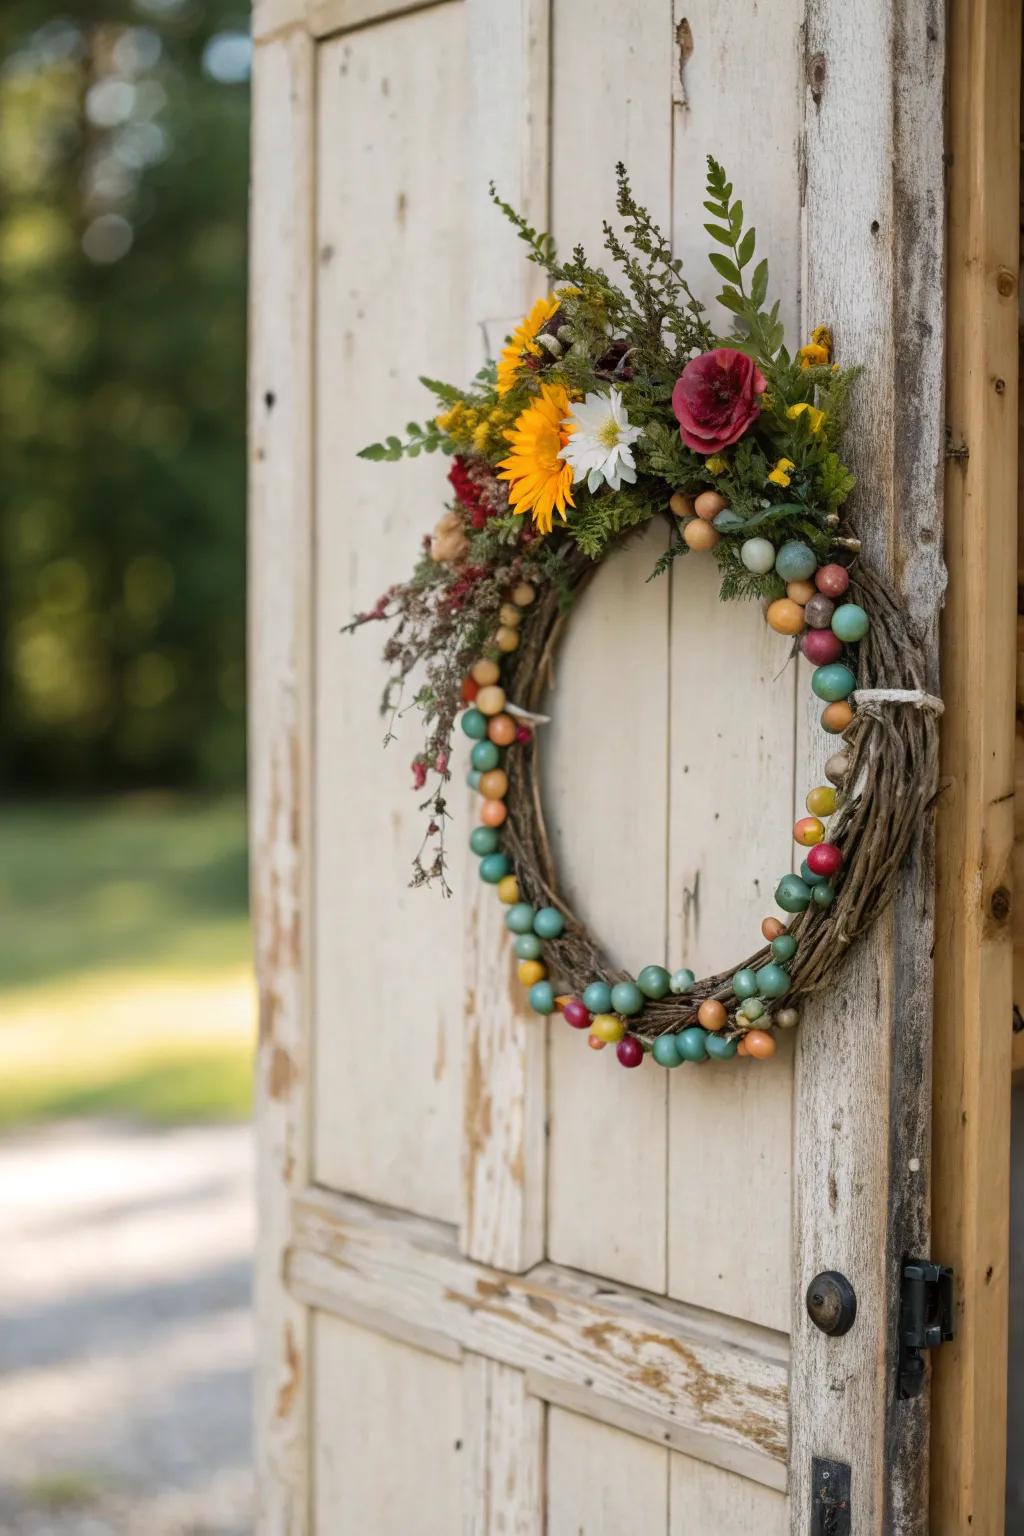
x,y
504,1288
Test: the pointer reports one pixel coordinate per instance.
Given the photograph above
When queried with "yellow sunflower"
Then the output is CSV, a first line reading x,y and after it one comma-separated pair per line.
x,y
539,480
521,340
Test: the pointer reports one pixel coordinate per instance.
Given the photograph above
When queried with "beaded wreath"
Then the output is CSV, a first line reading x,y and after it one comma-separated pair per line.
x,y
610,405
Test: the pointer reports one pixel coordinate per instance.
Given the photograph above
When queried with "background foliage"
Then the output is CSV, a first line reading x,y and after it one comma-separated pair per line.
x,y
123,144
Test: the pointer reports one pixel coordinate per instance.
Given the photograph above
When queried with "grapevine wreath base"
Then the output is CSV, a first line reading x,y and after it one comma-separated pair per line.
x,y
613,404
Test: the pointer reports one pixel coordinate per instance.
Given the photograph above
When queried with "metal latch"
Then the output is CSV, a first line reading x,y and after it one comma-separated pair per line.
x,y
926,1319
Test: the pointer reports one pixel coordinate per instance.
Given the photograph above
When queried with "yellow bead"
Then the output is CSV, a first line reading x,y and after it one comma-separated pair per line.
x,y
607,1028
490,700
531,971
700,536
494,784
485,672
508,890
510,615
822,801
785,616
808,831
507,639
523,595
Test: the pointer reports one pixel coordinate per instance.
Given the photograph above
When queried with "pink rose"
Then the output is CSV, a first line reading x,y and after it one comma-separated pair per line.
x,y
716,399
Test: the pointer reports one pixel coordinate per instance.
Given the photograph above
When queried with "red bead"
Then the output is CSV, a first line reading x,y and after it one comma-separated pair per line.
x,y
821,646
523,734
574,1013
629,1051
825,859
470,689
833,580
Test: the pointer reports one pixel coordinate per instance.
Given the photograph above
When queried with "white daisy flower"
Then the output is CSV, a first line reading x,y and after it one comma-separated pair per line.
x,y
599,448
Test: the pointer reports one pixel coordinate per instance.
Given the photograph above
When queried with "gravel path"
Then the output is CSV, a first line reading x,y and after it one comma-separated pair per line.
x,y
125,1332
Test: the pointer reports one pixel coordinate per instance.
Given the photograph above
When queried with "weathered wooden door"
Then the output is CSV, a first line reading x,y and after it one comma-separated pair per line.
x,y
504,1288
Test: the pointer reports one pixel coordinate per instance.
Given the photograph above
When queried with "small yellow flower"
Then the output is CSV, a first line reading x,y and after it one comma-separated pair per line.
x,y
716,465
522,342
822,337
815,417
782,473
818,351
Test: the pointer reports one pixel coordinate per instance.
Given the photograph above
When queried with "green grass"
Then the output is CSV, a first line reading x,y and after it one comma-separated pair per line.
x,y
124,961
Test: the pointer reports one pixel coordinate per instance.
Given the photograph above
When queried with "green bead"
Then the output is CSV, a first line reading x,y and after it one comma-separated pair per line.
x,y
793,894
597,998
519,918
682,980
485,756
542,997
627,998
833,682
796,561
784,947
718,1048
665,1051
494,867
824,895
752,1009
484,840
474,724
654,981
744,983
528,946
808,876
473,779
693,1043
773,981
850,623
548,923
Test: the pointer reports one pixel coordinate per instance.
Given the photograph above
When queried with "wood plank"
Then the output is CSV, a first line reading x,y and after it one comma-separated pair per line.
x,y
733,700
389,1436
388,960
874,257
704,1500
602,1482
504,1147
280,542
606,1182
974,951
723,1383
327,17
505,1449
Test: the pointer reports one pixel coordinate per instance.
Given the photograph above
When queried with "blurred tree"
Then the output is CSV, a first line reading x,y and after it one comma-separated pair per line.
x,y
123,189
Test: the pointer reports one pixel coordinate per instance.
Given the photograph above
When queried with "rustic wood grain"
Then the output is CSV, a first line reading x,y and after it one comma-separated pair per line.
x,y
504,1475
327,17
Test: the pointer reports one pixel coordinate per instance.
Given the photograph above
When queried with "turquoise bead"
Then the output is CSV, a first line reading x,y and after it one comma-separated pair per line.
x,y
693,1043
542,997
718,1048
484,840
627,998
808,876
528,946
548,923
665,1051
494,867
796,561
681,980
752,1009
597,998
473,779
833,682
793,894
744,983
654,981
474,724
850,623
485,756
519,918
773,981
784,947
824,894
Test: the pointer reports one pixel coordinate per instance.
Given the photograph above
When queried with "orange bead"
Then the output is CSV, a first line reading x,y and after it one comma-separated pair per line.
x,y
700,536
506,638
784,616
800,591
711,1014
681,504
741,1046
836,717
760,1044
523,595
561,1000
470,689
502,730
596,1044
772,928
509,614
807,831
493,812
494,786
708,505
531,971
485,671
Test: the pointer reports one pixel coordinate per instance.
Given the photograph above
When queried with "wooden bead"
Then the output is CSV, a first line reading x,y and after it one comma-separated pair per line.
x,y
511,615
793,894
542,996
700,536
825,860
470,689
485,756
681,981
523,594
474,724
819,611
708,504
501,729
837,767
493,812
744,983
821,646
800,591
483,840
822,800
850,623
760,1044
528,946
654,981
548,923
681,504
719,1048
531,971
665,1051
796,561
595,1043
836,717
575,1014
773,981
784,616
758,555
807,831
494,867
627,998
712,1014
771,928
629,1051
786,1018
506,639
485,672
692,1046
741,1046
598,997
832,580
832,683
608,1029
784,946
494,785
490,701
519,919
508,890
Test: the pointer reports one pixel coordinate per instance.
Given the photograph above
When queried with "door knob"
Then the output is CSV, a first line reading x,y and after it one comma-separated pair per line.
x,y
831,1302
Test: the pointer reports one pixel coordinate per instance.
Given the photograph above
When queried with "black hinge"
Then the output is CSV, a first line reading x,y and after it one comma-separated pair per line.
x,y
830,1497
926,1319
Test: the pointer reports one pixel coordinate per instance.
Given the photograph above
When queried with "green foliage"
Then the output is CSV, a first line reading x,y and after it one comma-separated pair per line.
x,y
759,332
419,439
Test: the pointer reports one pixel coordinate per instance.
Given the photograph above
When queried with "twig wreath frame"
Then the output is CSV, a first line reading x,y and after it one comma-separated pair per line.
x,y
611,405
